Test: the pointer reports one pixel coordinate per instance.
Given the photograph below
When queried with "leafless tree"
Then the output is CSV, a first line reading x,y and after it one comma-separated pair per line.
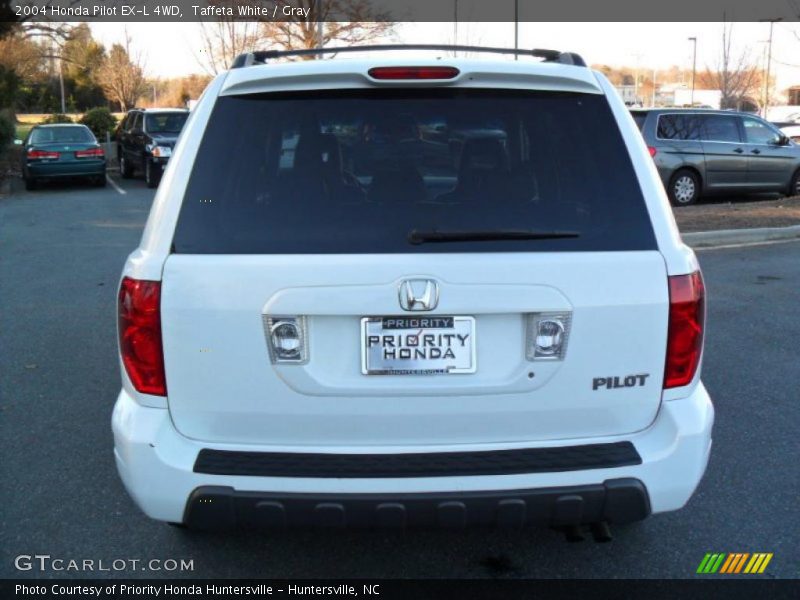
x,y
346,22
735,75
122,75
226,38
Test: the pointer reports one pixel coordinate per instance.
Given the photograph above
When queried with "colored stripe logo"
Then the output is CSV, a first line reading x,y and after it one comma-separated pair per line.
x,y
734,562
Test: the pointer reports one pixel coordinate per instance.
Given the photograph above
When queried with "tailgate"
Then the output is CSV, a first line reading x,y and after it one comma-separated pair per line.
x,y
223,387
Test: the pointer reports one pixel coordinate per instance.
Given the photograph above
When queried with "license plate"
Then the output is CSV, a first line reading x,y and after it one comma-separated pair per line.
x,y
433,345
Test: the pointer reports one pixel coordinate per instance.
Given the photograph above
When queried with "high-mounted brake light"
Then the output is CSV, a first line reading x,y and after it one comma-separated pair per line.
x,y
140,335
652,151
42,154
686,328
90,153
405,73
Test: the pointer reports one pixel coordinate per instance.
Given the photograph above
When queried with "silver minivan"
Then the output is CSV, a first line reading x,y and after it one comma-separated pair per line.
x,y
700,152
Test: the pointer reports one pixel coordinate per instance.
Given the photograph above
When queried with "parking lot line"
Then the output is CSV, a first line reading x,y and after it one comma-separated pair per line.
x,y
115,185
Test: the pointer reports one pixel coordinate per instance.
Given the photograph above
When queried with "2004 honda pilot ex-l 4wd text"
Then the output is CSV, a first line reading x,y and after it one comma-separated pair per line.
x,y
375,292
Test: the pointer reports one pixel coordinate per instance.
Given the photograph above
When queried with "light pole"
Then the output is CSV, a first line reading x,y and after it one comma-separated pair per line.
x,y
516,28
654,87
320,28
769,64
455,25
694,67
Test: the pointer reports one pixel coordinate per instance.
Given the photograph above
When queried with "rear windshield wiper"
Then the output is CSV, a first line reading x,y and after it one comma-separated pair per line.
x,y
490,235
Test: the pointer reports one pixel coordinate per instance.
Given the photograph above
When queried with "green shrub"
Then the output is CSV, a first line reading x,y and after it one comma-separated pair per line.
x,y
100,121
57,118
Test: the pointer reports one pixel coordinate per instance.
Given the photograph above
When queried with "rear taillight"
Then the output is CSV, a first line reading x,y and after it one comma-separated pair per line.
x,y
42,154
686,323
140,335
652,151
397,73
91,153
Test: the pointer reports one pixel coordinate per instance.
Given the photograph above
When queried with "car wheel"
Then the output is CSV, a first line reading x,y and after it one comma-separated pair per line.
x,y
30,183
684,188
125,170
794,188
100,181
152,174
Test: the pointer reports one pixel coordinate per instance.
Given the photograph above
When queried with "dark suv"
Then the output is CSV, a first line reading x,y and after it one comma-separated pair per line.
x,y
145,139
700,152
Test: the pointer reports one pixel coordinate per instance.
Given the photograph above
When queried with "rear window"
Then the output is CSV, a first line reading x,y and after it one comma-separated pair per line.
x,y
61,135
357,171
679,127
165,122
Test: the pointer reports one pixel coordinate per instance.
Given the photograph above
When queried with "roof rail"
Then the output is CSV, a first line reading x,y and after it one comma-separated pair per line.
x,y
262,56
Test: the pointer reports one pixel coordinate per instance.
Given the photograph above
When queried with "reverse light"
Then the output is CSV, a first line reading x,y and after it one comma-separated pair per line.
x,y
286,338
90,153
400,73
39,154
686,328
547,335
140,335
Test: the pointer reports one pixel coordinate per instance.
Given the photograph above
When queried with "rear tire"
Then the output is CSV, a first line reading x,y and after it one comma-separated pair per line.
x,y
30,184
99,181
125,169
794,186
684,188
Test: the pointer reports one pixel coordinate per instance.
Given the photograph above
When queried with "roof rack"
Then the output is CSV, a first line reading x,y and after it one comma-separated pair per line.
x,y
262,56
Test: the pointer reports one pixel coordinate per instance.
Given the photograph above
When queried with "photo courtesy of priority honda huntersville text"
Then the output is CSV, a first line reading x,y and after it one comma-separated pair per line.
x,y
411,292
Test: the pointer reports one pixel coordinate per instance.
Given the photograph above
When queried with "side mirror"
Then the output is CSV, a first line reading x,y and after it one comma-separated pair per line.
x,y
18,142
782,140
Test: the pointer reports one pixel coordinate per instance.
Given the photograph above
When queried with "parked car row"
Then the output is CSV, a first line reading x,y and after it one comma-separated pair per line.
x,y
702,152
145,139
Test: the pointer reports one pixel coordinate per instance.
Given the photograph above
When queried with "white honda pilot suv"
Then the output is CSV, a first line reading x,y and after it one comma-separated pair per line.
x,y
421,292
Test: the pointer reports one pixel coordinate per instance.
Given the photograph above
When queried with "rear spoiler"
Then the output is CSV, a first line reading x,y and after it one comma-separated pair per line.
x,y
260,57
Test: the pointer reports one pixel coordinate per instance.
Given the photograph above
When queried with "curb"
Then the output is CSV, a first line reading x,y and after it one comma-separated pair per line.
x,y
729,237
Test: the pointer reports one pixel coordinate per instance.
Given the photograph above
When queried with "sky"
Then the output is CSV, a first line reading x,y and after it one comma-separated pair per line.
x,y
170,49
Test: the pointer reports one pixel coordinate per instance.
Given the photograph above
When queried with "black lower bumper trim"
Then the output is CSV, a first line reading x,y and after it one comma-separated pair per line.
x,y
428,464
615,500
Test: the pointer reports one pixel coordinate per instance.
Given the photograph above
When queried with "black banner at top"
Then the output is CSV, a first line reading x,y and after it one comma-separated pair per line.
x,y
261,589
402,10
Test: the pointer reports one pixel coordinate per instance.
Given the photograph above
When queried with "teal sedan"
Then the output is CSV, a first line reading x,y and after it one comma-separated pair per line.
x,y
57,152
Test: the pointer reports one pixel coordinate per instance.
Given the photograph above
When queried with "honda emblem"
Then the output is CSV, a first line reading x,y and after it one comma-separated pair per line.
x,y
419,294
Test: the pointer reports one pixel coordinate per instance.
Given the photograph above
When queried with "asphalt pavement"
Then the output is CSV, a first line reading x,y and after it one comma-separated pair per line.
x,y
61,252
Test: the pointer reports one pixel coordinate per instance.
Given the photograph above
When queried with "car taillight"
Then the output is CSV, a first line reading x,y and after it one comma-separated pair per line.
x,y
42,154
396,73
90,153
140,335
686,324
652,151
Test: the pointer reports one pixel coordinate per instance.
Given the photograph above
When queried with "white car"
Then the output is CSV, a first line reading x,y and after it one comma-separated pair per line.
x,y
792,132
346,310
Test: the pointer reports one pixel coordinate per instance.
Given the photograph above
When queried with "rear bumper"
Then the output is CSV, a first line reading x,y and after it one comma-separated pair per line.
x,y
55,170
615,501
158,467
159,160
